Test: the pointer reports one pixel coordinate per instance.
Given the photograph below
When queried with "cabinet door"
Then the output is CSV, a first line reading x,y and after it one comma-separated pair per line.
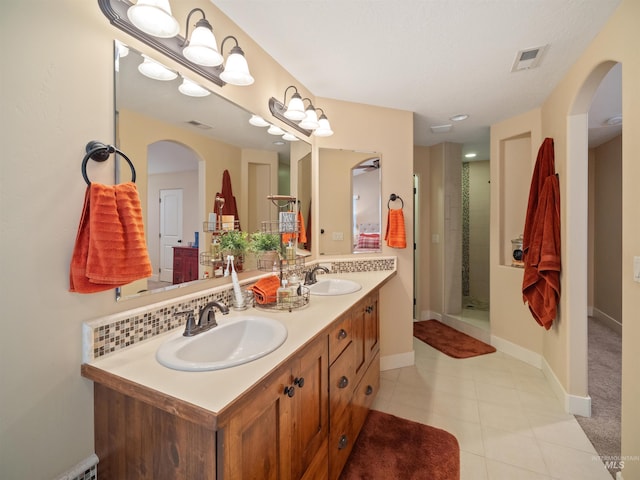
x,y
310,429
371,326
256,443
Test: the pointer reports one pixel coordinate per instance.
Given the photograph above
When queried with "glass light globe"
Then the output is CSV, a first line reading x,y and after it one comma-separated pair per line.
x,y
154,17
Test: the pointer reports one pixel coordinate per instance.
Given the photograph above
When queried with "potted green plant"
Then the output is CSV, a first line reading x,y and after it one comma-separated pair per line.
x,y
234,242
266,246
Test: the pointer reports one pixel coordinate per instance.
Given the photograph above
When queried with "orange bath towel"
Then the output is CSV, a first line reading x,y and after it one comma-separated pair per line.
x,y
110,248
541,240
395,235
266,289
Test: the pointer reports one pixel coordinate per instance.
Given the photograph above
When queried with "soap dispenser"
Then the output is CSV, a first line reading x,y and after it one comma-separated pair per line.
x,y
283,294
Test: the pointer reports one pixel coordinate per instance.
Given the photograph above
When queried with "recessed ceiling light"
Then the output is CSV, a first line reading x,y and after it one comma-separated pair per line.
x,y
278,142
615,120
470,155
459,117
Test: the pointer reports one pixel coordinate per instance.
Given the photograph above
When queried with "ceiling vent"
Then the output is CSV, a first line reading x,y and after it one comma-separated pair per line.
x,y
198,124
529,58
440,128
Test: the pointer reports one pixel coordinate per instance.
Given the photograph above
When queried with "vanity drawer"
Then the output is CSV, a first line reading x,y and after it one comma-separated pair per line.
x,y
342,381
341,440
340,337
365,393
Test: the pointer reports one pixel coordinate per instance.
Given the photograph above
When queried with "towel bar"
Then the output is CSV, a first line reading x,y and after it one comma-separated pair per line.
x,y
99,152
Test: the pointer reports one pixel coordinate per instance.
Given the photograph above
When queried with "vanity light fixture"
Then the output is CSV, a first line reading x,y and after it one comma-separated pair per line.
x,y
192,89
324,128
155,70
236,70
258,121
295,108
154,17
201,48
151,22
310,121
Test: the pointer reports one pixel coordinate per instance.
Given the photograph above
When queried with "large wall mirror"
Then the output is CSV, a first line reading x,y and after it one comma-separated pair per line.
x,y
350,210
181,145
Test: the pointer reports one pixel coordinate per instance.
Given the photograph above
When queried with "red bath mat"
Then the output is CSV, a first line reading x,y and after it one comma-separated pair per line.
x,y
449,340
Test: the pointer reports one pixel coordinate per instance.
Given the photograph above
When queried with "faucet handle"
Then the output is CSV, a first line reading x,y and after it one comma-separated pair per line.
x,y
190,325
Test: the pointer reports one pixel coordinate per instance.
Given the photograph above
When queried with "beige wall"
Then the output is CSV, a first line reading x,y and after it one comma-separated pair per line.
x,y
514,146
56,96
607,258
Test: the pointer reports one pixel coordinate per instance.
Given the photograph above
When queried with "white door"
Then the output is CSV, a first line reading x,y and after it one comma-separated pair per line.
x,y
170,230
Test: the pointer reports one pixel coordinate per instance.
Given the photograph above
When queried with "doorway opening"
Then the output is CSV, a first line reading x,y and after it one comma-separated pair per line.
x,y
603,322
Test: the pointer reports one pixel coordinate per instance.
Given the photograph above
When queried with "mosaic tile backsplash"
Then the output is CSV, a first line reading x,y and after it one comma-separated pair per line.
x,y
115,332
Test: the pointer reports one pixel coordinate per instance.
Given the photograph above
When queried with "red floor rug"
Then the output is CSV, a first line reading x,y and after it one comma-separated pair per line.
x,y
449,340
390,448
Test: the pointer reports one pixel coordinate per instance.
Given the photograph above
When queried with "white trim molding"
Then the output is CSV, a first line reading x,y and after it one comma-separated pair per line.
x,y
574,404
399,360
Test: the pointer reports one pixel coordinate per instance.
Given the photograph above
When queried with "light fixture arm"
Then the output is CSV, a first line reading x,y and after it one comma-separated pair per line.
x,y
234,49
203,22
285,93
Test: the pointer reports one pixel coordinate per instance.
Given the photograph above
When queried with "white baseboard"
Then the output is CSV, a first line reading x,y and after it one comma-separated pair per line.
x,y
574,404
516,351
429,315
399,360
607,320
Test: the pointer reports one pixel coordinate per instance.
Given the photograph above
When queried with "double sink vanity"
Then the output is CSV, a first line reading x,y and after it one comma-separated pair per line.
x,y
265,394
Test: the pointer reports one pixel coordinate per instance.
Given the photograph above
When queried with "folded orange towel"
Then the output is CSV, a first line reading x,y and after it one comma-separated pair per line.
x,y
110,248
266,289
395,235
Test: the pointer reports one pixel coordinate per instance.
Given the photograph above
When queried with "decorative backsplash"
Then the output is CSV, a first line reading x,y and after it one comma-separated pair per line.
x,y
115,332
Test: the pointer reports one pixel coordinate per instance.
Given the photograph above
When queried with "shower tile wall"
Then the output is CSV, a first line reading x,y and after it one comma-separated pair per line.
x,y
478,228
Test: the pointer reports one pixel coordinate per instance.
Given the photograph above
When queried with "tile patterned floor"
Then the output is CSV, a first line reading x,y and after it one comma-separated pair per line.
x,y
508,422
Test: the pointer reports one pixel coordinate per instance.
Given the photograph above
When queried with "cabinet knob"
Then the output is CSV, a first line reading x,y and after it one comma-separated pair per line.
x,y
342,334
343,382
342,443
289,391
369,390
299,382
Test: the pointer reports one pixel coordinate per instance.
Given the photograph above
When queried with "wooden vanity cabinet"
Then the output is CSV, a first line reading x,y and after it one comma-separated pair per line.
x,y
354,377
279,430
299,422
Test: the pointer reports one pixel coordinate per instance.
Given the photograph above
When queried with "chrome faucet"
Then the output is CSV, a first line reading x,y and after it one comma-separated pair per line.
x,y
310,276
206,318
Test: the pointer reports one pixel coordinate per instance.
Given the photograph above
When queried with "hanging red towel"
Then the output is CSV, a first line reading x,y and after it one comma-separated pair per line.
x,y
541,240
395,235
110,248
229,207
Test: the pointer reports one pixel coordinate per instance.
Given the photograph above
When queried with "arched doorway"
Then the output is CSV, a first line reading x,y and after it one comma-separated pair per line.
x,y
581,259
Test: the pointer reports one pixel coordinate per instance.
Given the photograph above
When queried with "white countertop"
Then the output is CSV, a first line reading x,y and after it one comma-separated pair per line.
x,y
214,390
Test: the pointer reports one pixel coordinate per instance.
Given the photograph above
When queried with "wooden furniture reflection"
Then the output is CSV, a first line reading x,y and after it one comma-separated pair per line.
x,y
185,264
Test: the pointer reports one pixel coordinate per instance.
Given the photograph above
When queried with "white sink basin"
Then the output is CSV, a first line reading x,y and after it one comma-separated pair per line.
x,y
232,343
334,286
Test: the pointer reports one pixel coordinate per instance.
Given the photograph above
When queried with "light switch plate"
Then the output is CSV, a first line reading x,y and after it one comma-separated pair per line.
x,y
338,236
636,269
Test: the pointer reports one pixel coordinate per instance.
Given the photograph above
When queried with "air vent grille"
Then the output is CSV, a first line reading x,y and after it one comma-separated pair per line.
x,y
528,58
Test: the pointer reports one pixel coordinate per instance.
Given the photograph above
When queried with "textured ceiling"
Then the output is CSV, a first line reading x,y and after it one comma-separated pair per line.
x,y
436,58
